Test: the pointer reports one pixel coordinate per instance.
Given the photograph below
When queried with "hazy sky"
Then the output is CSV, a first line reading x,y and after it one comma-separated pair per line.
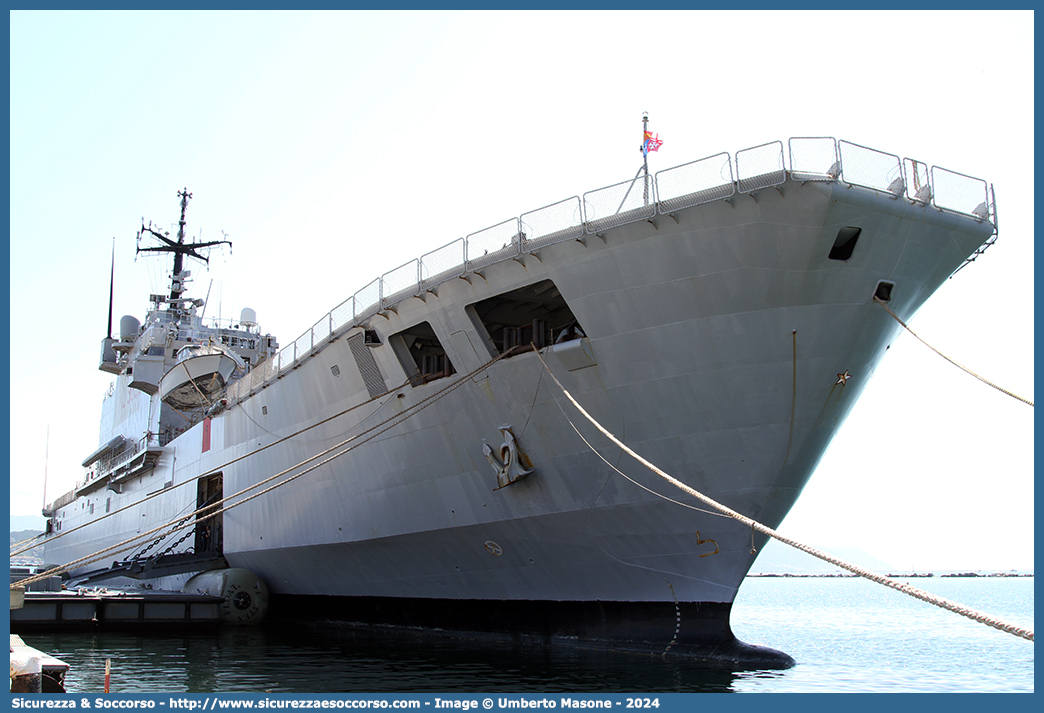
x,y
332,147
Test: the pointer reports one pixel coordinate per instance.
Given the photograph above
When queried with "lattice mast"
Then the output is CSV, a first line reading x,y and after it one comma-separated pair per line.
x,y
180,248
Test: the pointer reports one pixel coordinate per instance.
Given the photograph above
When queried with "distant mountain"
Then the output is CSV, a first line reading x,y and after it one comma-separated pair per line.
x,y
777,558
21,536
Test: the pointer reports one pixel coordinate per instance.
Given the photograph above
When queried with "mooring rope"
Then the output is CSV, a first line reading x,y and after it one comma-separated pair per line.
x,y
959,366
754,525
26,545
416,408
217,469
209,511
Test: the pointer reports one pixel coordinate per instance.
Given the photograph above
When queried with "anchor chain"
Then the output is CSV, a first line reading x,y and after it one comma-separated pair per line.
x,y
142,554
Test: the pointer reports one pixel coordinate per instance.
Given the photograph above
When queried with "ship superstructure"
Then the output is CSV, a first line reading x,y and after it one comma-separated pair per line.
x,y
171,369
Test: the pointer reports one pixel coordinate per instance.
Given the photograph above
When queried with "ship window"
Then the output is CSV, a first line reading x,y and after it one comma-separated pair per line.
x,y
421,354
844,243
536,315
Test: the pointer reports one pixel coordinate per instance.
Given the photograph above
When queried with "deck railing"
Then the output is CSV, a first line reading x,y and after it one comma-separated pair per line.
x,y
713,178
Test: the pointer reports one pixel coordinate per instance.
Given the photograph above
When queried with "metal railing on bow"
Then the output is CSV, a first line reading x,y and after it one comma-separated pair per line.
x,y
714,178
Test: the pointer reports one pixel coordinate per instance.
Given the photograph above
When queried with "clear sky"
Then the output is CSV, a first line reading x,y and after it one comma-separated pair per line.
x,y
331,147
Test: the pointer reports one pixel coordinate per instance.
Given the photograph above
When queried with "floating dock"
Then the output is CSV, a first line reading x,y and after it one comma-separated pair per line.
x,y
114,608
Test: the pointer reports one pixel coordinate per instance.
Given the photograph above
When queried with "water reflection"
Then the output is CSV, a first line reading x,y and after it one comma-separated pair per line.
x,y
847,635
279,658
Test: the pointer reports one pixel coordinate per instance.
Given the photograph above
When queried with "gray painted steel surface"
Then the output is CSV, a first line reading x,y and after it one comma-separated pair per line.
x,y
716,338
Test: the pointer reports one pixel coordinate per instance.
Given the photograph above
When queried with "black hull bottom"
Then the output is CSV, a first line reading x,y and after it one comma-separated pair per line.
x,y
697,631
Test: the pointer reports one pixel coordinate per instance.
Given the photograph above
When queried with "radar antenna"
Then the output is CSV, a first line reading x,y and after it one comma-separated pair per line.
x,y
179,248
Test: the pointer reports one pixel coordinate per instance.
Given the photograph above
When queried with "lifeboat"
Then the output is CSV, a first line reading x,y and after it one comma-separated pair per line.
x,y
200,374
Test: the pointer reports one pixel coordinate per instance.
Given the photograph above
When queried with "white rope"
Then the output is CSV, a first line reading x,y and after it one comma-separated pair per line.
x,y
627,477
209,512
395,420
58,535
880,579
965,369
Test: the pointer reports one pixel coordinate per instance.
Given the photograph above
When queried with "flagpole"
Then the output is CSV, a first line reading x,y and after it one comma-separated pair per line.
x,y
47,448
645,155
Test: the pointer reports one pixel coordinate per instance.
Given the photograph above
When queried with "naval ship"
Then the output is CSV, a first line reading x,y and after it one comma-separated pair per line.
x,y
410,461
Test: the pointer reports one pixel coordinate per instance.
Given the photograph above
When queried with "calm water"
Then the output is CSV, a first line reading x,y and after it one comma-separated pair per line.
x,y
848,635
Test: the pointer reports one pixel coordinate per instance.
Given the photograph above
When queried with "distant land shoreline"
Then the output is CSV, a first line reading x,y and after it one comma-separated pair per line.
x,y
777,559
901,575
33,556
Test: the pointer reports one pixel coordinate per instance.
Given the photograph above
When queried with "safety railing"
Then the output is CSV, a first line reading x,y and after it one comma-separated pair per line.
x,y
551,224
814,158
760,167
117,457
620,204
402,282
495,243
714,178
870,168
443,264
703,181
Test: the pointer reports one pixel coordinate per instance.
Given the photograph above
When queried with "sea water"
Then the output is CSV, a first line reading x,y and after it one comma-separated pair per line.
x,y
850,634
847,634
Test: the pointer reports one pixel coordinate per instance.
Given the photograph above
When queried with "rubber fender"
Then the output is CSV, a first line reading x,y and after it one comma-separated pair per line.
x,y
244,593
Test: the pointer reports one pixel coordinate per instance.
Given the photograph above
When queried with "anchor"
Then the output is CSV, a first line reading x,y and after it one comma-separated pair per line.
x,y
512,464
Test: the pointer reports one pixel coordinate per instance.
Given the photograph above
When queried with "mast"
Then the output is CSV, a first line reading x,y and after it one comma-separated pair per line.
x,y
645,154
112,282
47,448
109,360
179,248
649,143
184,195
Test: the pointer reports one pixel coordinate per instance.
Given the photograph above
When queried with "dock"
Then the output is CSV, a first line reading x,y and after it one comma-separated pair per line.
x,y
97,608
33,671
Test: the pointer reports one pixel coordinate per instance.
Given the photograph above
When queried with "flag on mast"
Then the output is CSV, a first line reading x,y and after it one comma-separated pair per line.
x,y
652,142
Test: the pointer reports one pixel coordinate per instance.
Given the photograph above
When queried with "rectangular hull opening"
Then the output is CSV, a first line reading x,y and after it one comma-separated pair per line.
x,y
535,315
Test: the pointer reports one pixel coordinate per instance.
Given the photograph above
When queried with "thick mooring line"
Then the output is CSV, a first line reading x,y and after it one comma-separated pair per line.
x,y
872,576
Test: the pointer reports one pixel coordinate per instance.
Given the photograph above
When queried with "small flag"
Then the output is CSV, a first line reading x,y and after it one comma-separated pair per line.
x,y
652,142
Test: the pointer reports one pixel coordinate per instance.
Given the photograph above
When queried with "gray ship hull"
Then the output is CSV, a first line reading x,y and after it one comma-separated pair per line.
x,y
721,342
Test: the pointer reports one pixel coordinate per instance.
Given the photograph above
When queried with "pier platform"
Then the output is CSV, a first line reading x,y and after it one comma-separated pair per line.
x,y
85,609
33,671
